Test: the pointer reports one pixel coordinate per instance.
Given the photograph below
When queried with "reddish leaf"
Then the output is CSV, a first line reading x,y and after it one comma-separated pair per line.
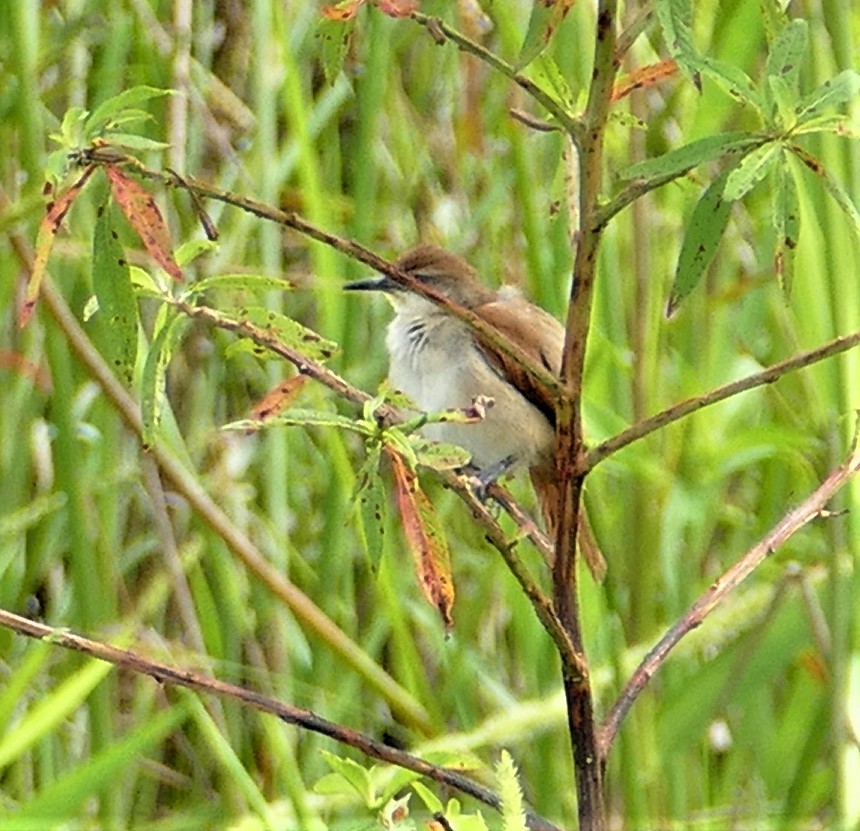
x,y
48,228
277,400
426,540
644,77
343,11
143,215
397,8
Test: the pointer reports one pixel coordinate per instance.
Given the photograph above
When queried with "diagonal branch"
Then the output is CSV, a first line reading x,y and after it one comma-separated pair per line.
x,y
717,592
306,719
684,408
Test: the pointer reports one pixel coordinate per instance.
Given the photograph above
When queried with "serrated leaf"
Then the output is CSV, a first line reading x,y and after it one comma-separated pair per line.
x,y
510,794
751,171
370,503
167,338
682,159
546,16
833,92
833,186
144,215
426,540
353,773
285,330
116,321
731,79
241,282
676,22
103,113
334,36
55,211
702,236
786,223
784,59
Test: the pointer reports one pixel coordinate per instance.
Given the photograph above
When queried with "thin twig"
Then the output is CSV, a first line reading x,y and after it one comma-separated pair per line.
x,y
792,522
684,408
306,719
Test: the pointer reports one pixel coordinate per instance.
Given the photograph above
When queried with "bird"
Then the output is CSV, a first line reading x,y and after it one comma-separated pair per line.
x,y
442,363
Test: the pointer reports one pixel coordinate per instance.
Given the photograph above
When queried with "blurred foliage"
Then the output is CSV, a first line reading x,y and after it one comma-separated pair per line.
x,y
748,725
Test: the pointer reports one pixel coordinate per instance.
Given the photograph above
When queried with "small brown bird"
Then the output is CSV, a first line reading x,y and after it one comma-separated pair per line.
x,y
441,363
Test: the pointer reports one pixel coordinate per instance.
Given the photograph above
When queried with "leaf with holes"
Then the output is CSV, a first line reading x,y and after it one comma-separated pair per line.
x,y
702,236
142,213
545,18
279,399
783,66
116,321
751,171
281,329
169,331
644,77
370,505
833,92
48,228
426,540
786,224
732,80
302,418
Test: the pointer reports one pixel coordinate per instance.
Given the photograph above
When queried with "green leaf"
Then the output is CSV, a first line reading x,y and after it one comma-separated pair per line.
x,y
833,92
751,171
783,63
545,18
191,250
430,800
285,330
111,107
371,504
170,330
302,418
676,22
733,80
241,282
335,36
353,773
833,186
71,129
786,223
702,236
679,161
510,793
116,321
131,141
439,455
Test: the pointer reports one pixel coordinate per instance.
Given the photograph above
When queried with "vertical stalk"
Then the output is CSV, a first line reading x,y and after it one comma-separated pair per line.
x,y
577,685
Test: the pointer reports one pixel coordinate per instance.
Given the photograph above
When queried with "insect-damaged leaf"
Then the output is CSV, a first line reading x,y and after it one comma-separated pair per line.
x,y
703,234
426,540
48,228
284,330
786,224
139,207
116,321
279,399
370,504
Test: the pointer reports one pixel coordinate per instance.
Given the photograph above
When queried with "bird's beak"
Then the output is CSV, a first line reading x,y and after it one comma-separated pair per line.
x,y
372,284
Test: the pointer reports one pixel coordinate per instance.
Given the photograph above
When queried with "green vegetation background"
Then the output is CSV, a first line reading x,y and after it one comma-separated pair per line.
x,y
745,726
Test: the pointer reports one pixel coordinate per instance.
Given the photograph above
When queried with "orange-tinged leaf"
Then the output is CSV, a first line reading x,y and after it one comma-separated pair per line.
x,y
48,228
343,11
139,207
277,400
397,8
426,540
644,77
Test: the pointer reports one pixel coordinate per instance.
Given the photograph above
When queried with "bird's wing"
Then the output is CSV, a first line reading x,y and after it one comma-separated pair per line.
x,y
518,320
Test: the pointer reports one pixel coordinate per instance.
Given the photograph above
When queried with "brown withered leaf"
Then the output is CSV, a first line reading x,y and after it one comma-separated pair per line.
x,y
343,11
49,226
645,76
426,540
278,399
143,214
